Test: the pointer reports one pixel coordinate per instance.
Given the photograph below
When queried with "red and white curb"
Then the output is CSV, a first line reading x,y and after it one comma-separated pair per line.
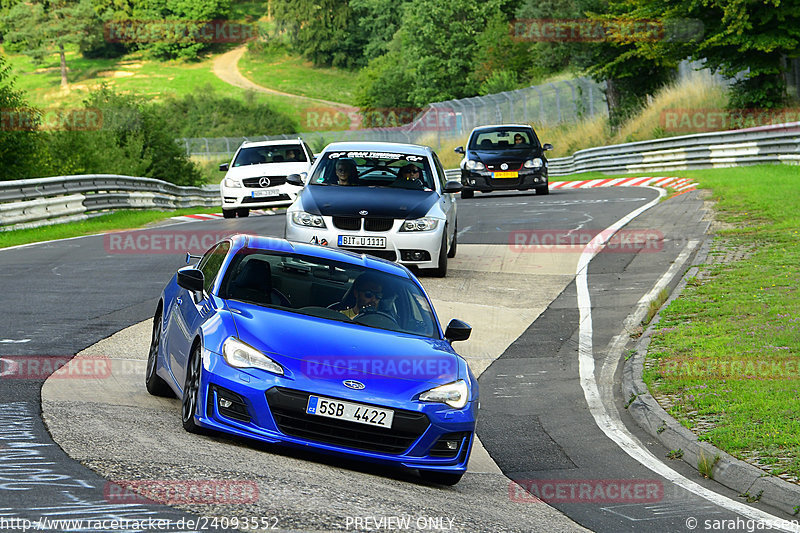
x,y
679,184
215,216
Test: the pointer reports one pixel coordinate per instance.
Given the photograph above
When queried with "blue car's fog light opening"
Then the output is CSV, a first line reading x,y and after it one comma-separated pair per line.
x,y
230,404
448,444
240,355
455,394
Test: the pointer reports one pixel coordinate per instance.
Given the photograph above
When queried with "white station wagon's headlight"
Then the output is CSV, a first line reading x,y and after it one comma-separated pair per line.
x,y
420,224
241,355
474,165
454,394
231,183
301,218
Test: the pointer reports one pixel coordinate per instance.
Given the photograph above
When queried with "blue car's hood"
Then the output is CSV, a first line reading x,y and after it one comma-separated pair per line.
x,y
320,349
333,200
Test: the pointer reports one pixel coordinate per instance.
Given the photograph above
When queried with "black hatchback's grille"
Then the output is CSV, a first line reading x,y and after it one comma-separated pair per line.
x,y
348,223
378,224
288,407
255,183
512,166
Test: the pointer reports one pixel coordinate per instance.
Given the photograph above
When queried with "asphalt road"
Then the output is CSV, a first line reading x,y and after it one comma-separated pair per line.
x,y
535,423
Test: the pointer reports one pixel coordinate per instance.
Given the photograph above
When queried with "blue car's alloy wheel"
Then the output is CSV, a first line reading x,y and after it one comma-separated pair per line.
x,y
155,385
191,391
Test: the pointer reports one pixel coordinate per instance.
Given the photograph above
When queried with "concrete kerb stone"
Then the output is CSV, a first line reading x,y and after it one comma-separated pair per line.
x,y
746,479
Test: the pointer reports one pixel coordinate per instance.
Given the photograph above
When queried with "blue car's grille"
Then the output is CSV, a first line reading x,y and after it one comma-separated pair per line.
x,y
288,408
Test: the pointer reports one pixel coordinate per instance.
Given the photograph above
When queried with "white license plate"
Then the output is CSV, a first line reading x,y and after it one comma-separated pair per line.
x,y
265,193
354,412
362,241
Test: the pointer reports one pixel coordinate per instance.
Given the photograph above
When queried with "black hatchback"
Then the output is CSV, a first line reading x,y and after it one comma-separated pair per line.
x,y
505,157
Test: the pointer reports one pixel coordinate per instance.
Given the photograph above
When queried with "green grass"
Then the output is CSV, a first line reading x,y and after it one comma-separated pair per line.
x,y
119,220
726,351
131,73
276,69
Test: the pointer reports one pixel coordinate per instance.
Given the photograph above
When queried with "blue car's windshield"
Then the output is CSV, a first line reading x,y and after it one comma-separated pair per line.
x,y
383,169
328,289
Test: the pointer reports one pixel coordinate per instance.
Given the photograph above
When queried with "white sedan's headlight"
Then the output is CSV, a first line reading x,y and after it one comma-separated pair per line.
x,y
475,165
241,355
301,218
420,224
454,394
232,183
533,163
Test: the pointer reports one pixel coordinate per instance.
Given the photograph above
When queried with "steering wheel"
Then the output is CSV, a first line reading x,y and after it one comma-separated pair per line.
x,y
370,312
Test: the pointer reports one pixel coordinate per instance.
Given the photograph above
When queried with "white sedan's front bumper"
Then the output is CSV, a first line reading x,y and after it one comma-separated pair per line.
x,y
401,243
236,197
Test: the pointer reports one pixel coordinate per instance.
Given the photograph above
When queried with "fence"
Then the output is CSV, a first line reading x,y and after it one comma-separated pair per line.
x,y
552,103
778,143
38,202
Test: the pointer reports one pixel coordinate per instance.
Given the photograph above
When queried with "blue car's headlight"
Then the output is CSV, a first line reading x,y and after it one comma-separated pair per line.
x,y
420,224
454,394
240,355
301,218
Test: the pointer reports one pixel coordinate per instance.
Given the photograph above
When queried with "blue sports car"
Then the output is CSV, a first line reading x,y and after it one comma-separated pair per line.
x,y
315,347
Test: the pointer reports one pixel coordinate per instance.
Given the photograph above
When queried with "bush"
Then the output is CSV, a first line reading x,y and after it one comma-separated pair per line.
x,y
207,114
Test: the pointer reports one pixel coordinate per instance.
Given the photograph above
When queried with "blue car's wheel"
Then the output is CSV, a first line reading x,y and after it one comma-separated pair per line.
x,y
155,385
191,391
440,478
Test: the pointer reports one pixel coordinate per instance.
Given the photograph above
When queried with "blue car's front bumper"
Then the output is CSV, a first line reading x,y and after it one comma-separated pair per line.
x,y
271,408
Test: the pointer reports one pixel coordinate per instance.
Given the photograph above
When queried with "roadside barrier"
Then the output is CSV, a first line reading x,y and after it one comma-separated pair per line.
x,y
37,202
42,201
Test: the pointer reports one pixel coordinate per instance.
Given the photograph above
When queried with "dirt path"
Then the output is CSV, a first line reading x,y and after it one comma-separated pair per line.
x,y
226,68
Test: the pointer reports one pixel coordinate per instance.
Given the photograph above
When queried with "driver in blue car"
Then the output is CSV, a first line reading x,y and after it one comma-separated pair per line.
x,y
367,292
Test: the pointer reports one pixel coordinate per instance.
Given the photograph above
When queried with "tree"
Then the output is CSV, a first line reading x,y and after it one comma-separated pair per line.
x,y
19,142
183,19
40,26
743,39
323,31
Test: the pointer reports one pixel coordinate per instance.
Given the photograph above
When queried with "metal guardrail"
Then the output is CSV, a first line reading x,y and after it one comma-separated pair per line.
x,y
42,201
778,143
36,202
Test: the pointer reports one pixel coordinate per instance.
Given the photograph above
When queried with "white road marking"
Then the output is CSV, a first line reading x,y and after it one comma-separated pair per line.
x,y
608,420
14,341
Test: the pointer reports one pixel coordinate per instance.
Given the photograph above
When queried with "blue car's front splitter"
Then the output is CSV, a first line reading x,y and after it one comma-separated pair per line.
x,y
274,413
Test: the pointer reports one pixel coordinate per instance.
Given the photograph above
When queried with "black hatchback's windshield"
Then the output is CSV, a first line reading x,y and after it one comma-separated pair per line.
x,y
382,169
503,139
